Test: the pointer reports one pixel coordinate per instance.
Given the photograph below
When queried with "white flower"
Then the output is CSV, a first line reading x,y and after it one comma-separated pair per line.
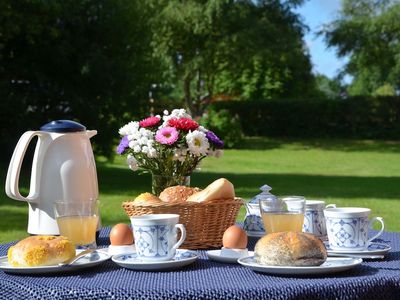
x,y
180,154
152,152
175,114
132,162
145,149
143,140
137,149
129,128
202,129
140,140
197,142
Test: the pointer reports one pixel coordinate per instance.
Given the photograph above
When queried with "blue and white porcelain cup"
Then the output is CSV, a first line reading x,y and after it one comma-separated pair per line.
x,y
156,236
348,228
314,220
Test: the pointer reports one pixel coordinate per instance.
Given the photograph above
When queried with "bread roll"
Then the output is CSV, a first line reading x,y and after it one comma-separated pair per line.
x,y
219,189
41,250
178,193
290,249
146,198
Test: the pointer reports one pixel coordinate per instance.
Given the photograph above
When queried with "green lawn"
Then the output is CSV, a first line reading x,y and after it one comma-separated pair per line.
x,y
348,173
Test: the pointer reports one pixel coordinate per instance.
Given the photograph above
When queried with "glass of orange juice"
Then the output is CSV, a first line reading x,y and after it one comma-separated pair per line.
x,y
77,220
283,213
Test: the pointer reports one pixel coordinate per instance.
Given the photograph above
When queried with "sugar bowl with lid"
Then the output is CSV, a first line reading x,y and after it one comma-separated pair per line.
x,y
253,223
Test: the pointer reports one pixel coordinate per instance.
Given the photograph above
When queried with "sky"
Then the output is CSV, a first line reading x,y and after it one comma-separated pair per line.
x,y
315,13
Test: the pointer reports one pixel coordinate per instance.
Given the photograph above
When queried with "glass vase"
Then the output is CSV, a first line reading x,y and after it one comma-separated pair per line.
x,y
160,182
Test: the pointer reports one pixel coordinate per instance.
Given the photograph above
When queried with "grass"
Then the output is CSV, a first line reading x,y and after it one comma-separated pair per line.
x,y
348,173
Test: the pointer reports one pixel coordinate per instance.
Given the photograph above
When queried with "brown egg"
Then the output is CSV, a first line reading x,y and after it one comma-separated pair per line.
x,y
234,238
121,234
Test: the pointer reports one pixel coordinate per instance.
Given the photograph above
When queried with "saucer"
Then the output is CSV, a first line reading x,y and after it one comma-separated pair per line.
x,y
373,249
216,256
331,265
131,261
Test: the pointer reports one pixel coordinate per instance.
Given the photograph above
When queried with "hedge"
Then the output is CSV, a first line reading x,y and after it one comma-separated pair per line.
x,y
355,117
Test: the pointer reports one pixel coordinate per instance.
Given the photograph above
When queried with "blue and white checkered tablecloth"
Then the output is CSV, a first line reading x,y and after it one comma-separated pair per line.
x,y
206,279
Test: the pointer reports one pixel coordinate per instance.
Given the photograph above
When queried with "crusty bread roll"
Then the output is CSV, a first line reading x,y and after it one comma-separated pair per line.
x,y
146,198
41,250
219,189
290,249
177,193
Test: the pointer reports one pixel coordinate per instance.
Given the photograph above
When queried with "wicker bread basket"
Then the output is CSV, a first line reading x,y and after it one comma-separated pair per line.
x,y
205,222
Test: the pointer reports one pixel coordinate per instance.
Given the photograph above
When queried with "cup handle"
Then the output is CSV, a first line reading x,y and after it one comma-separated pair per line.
x,y
379,219
331,206
183,236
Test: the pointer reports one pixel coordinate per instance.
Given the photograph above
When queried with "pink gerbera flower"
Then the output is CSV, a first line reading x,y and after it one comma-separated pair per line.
x,y
150,121
167,135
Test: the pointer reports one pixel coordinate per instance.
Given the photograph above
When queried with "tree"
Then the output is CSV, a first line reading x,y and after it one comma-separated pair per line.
x,y
368,31
246,48
83,60
329,88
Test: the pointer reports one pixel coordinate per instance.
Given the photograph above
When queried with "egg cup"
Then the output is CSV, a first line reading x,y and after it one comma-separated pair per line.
x,y
121,249
234,253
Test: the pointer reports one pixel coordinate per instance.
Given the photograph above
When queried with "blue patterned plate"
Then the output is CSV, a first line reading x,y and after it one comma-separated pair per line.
x,y
131,261
373,249
331,265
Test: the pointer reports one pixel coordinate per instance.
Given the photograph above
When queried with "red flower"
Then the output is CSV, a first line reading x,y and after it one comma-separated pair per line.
x,y
150,121
185,124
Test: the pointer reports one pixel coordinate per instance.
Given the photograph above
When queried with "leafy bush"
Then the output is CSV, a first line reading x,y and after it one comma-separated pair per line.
x,y
225,125
355,117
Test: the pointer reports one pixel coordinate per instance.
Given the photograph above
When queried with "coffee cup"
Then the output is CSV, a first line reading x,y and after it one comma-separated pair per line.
x,y
156,236
314,220
348,228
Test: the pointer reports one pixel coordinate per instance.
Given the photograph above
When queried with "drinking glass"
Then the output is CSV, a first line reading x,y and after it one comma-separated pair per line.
x,y
77,220
283,213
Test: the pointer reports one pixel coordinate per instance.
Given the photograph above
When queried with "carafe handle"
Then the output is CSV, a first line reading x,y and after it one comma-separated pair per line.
x,y
14,169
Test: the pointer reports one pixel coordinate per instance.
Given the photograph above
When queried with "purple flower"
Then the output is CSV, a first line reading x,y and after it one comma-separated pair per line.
x,y
213,138
123,144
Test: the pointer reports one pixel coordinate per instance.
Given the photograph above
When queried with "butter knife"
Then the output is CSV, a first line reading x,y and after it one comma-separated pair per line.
x,y
363,256
75,258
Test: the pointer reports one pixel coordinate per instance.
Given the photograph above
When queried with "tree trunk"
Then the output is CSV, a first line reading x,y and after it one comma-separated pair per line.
x,y
188,96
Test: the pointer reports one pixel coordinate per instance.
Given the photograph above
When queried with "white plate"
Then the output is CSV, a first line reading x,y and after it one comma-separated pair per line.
x,y
131,261
216,255
87,261
255,233
373,249
331,265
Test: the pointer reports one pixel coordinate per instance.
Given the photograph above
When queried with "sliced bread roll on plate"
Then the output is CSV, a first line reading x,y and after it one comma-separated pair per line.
x,y
290,248
40,250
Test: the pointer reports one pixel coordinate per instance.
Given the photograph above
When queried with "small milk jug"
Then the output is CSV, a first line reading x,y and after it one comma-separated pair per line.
x,y
63,169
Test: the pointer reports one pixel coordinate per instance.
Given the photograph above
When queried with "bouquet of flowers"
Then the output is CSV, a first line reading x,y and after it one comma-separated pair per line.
x,y
169,147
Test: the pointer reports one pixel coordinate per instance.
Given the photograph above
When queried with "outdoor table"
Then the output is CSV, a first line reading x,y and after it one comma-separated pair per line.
x,y
206,279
